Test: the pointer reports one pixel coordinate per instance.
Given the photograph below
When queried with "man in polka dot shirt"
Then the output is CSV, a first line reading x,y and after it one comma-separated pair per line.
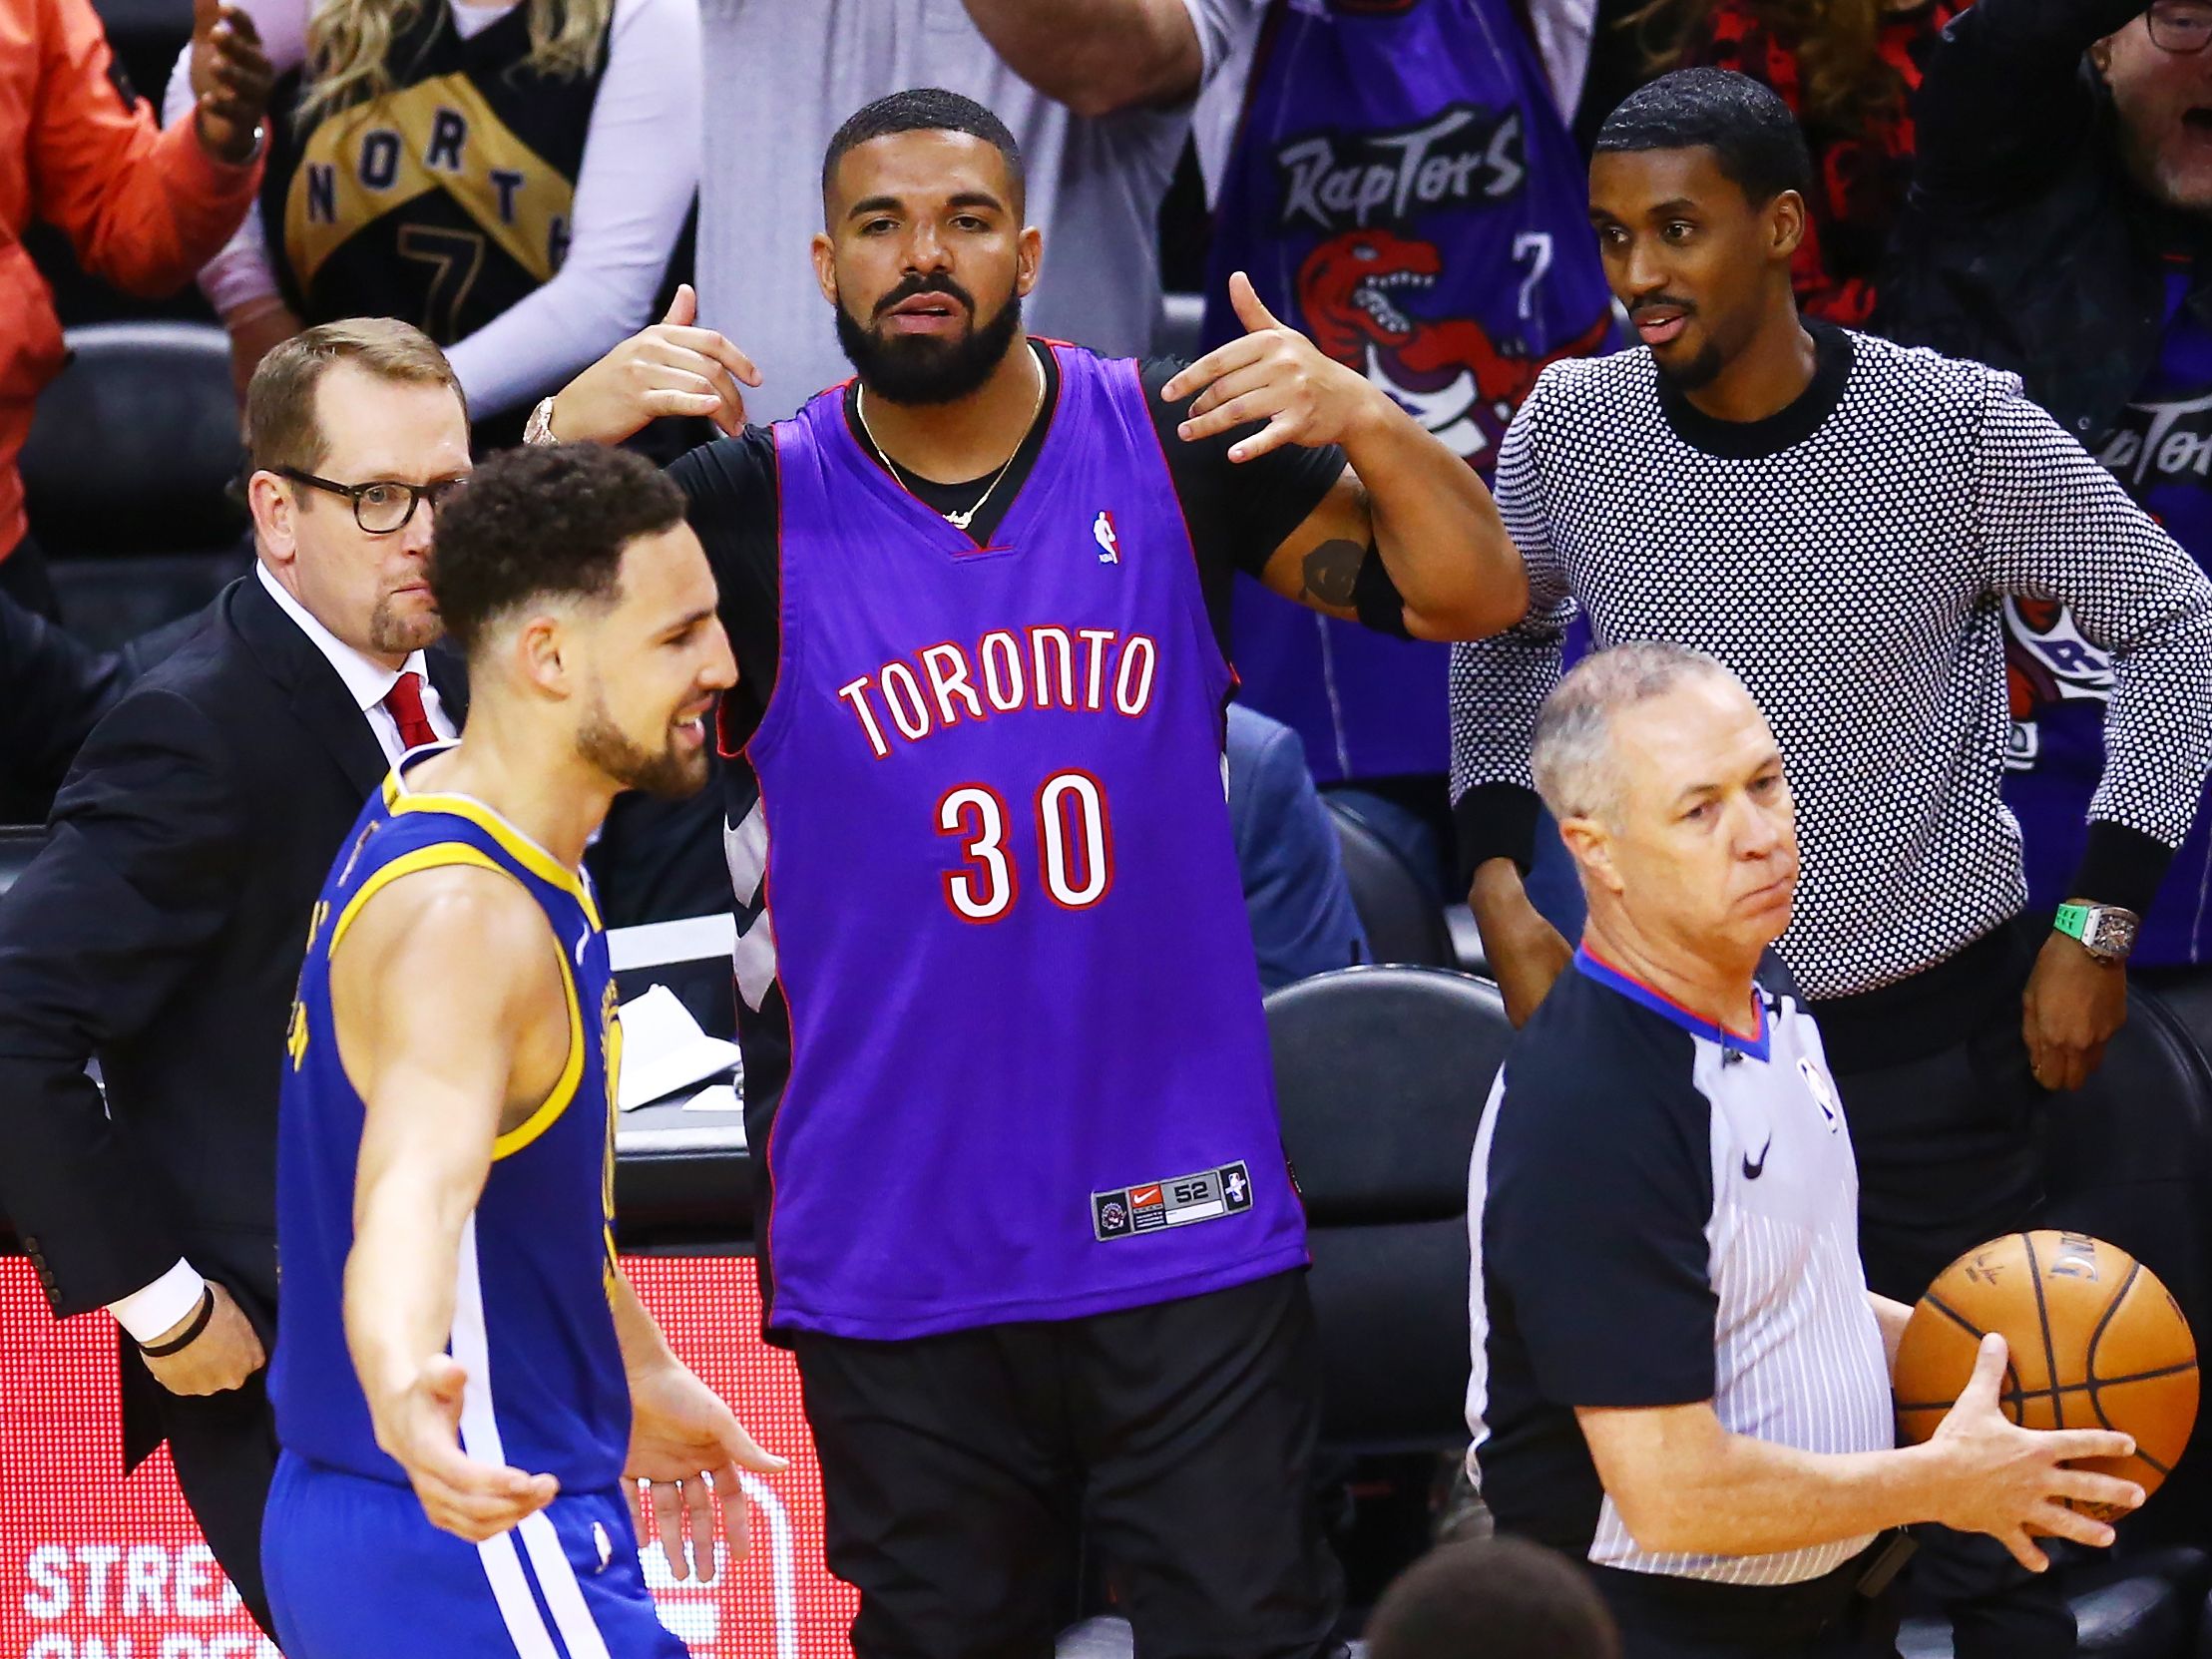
x,y
1839,521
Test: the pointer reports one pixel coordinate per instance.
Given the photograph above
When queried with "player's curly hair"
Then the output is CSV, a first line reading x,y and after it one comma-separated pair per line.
x,y
544,523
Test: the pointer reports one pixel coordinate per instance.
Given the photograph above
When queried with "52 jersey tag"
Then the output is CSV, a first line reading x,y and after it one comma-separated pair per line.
x,y
1177,1201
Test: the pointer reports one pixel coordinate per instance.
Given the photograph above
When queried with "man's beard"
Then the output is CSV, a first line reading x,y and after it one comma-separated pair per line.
x,y
1699,371
670,775
392,635
921,369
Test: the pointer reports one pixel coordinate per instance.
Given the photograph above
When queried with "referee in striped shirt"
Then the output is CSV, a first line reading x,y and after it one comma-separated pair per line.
x,y
1679,1374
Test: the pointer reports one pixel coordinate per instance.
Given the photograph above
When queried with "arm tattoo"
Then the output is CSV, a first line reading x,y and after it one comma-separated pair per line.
x,y
1331,571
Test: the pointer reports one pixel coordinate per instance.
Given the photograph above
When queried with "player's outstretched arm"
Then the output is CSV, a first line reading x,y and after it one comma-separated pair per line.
x,y
434,988
671,368
686,1443
1684,1484
1405,498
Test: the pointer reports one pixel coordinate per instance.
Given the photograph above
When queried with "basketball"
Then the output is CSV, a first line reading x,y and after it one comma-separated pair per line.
x,y
2095,1342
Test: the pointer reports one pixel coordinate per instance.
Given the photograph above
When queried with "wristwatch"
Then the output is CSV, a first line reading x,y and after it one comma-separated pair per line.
x,y
539,428
2106,932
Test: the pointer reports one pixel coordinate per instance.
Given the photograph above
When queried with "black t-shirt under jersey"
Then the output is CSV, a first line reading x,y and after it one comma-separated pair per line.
x,y
1237,513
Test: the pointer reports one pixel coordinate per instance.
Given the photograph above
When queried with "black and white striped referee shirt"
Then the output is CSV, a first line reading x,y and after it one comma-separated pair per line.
x,y
1662,1212
1848,557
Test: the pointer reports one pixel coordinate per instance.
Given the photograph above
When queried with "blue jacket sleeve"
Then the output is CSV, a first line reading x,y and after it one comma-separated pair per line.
x,y
1300,908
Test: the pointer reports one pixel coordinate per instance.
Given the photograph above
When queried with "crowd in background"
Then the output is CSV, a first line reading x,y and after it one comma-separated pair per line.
x,y
1414,201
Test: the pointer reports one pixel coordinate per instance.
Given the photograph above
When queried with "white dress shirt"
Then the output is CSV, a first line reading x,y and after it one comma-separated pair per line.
x,y
165,1303
368,679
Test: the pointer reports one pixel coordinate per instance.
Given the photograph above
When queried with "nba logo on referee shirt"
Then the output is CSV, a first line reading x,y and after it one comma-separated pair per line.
x,y
1110,544
1823,1092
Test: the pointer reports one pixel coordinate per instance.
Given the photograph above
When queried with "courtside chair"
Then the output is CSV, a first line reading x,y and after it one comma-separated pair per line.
x,y
127,476
1381,1073
1395,907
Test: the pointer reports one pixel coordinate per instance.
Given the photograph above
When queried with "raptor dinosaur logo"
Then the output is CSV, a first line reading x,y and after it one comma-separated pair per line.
x,y
1359,292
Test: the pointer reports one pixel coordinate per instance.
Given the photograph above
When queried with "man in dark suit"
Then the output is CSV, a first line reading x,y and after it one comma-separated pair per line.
x,y
161,928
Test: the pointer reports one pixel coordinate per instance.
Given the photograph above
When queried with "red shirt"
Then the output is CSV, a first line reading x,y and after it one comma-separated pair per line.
x,y
1860,177
144,207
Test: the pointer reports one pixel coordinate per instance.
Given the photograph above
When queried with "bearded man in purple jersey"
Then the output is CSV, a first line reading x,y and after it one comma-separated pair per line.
x,y
1027,1223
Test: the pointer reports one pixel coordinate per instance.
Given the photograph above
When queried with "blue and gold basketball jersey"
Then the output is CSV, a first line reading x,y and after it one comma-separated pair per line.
x,y
531,1324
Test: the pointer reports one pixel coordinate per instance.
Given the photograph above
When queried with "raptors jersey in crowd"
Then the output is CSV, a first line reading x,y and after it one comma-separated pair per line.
x,y
444,201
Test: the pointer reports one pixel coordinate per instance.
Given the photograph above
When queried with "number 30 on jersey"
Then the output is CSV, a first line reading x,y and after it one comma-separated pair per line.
x,y
1075,845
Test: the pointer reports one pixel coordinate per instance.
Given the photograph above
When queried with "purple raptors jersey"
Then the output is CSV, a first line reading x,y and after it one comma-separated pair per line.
x,y
1028,1069
1404,191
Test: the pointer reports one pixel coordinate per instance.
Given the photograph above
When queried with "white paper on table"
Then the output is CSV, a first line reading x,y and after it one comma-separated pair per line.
x,y
717,1097
663,1049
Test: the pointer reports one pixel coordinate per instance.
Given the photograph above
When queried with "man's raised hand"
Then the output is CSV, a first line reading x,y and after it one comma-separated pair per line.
x,y
231,79
1273,374
671,368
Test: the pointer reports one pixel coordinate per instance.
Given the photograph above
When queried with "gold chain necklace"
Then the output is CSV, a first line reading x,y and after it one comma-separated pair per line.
x,y
961,519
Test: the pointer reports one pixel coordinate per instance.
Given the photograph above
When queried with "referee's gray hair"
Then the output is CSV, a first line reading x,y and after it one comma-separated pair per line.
x,y
1573,755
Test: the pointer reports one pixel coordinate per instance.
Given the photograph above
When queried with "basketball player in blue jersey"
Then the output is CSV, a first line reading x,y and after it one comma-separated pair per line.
x,y
454,1319
1029,1227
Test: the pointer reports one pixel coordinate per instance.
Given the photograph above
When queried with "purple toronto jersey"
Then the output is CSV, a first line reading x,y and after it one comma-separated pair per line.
x,y
1029,1073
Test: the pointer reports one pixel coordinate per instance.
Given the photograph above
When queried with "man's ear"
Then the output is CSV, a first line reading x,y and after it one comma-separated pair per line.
x,y
541,657
825,265
1028,256
270,499
1788,218
1591,845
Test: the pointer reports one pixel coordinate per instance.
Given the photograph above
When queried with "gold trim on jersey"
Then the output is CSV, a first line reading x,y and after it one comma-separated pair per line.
x,y
438,134
611,1046
526,852
446,855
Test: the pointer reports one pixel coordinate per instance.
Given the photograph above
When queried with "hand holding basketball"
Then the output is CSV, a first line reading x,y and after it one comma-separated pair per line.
x,y
671,368
2009,1482
419,1426
1273,374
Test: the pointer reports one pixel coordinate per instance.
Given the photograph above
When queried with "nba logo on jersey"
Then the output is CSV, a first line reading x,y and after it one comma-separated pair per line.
x,y
1823,1092
1109,545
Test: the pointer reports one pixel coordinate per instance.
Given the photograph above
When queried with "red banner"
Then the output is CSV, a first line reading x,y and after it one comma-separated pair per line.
x,y
94,1567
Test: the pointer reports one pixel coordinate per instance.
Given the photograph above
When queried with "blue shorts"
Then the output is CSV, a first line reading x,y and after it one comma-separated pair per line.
x,y
356,1571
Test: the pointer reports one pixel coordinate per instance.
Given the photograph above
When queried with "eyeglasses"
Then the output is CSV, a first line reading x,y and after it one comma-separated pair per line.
x,y
2182,27
380,506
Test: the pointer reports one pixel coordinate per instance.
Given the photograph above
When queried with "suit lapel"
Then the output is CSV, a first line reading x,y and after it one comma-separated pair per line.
x,y
318,697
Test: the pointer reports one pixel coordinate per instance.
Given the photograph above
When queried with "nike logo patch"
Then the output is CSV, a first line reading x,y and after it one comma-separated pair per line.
x,y
1752,1171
